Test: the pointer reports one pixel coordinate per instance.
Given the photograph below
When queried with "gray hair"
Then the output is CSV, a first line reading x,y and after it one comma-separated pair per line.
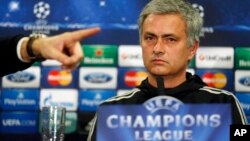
x,y
191,16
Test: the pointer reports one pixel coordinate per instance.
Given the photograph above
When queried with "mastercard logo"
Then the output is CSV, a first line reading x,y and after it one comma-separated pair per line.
x,y
134,78
216,80
59,78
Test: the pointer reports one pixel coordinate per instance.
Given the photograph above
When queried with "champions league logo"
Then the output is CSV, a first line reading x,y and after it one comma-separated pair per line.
x,y
41,10
163,118
199,8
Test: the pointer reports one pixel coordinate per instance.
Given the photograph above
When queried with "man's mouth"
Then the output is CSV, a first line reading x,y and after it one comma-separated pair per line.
x,y
159,61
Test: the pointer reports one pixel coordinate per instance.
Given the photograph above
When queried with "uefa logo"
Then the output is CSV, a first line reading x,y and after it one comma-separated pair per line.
x,y
163,102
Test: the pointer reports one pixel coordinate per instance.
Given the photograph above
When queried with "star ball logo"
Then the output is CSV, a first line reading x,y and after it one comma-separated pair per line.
x,y
41,10
59,78
199,8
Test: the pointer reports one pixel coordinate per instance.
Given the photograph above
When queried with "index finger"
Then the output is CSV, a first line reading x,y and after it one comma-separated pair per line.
x,y
81,34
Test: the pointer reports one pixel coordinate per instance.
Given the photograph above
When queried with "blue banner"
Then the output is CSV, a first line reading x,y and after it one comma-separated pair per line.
x,y
89,100
244,98
19,122
162,119
20,99
119,17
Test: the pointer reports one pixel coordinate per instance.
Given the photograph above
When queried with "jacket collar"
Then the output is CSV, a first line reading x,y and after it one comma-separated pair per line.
x,y
192,83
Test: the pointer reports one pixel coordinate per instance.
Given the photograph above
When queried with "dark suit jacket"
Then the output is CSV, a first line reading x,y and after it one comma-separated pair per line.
x,y
9,62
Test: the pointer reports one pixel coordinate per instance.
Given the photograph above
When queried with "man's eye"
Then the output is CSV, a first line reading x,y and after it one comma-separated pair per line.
x,y
148,38
171,40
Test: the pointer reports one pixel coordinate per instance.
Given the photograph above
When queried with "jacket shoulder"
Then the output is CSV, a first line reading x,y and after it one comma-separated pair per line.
x,y
216,91
122,99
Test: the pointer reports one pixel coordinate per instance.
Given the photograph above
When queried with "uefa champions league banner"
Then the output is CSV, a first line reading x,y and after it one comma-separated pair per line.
x,y
46,16
164,118
222,18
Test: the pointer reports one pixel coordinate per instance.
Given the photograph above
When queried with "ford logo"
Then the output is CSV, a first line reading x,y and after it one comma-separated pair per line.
x,y
98,78
245,81
21,77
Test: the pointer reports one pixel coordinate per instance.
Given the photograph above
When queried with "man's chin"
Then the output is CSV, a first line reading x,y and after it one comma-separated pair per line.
x,y
157,73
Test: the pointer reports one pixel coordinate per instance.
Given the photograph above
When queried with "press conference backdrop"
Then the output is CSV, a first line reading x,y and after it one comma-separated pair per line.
x,y
113,60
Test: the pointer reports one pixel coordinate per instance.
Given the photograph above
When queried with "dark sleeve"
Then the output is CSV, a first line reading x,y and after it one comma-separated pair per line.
x,y
238,114
9,61
92,132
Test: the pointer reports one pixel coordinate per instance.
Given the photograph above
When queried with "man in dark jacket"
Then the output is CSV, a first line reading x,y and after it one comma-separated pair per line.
x,y
19,52
169,37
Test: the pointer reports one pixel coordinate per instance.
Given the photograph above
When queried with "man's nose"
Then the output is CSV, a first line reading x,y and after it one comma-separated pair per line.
x,y
158,48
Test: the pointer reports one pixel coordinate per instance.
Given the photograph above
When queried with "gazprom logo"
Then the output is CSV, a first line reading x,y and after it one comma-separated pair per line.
x,y
21,77
245,81
98,78
163,103
49,100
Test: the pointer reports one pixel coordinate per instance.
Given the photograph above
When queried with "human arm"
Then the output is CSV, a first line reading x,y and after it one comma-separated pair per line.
x,y
64,48
238,114
9,61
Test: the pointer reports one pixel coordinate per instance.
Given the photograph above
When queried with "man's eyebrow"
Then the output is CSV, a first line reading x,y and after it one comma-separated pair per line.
x,y
168,35
164,35
150,33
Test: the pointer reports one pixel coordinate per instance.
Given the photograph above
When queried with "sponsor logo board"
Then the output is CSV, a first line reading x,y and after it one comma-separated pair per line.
x,y
217,78
130,56
56,77
100,55
19,122
20,99
215,57
89,100
242,80
29,78
242,58
67,98
131,77
244,99
97,77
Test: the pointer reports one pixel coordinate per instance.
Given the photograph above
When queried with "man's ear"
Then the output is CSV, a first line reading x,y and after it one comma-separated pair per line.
x,y
193,50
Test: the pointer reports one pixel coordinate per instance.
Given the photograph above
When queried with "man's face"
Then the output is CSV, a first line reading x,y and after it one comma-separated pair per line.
x,y
164,45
